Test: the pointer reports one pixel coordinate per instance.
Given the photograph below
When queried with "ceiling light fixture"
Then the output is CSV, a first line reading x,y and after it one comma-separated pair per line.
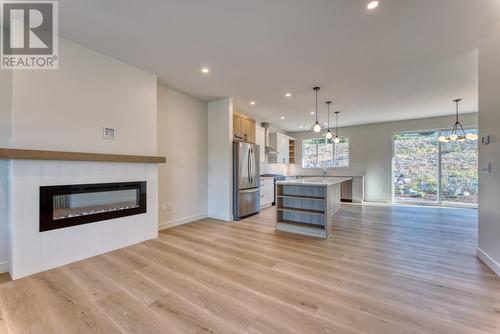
x,y
337,139
282,117
252,103
301,127
317,127
328,133
312,112
457,132
372,5
205,70
288,95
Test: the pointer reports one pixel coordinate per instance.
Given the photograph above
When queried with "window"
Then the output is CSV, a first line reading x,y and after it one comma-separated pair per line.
x,y
319,152
428,171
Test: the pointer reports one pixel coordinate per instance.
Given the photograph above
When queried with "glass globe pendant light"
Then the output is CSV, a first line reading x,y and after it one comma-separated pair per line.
x,y
457,131
472,136
317,127
328,134
337,139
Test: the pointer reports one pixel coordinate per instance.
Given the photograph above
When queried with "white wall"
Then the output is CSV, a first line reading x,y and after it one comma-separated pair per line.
x,y
489,124
4,215
6,116
220,134
182,138
371,151
5,141
66,109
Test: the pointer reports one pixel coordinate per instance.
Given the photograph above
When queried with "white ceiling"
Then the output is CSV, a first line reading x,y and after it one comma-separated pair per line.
x,y
407,59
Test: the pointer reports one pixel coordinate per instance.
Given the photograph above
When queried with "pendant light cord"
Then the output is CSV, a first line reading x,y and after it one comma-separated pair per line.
x,y
457,122
316,106
328,105
316,89
337,123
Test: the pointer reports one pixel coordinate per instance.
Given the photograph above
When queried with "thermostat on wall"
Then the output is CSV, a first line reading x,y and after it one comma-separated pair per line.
x,y
109,133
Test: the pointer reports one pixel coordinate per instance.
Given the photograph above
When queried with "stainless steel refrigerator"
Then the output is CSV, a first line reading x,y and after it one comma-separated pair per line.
x,y
246,179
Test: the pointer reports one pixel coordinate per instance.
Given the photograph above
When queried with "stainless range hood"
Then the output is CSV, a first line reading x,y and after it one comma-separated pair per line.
x,y
267,134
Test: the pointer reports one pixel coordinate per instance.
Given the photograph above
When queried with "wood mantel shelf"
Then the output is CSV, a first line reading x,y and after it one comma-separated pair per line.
x,y
18,154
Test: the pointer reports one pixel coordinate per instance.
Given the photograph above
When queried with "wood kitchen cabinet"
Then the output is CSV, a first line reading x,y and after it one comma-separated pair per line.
x,y
243,128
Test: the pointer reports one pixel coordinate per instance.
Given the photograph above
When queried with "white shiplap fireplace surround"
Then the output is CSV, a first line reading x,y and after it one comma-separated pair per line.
x,y
31,251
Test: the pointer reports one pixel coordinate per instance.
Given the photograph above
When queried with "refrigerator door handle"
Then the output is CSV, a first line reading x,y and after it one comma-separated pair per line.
x,y
248,167
249,191
254,164
251,165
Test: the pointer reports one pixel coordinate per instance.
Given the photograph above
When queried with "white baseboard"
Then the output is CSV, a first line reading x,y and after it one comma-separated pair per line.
x,y
489,261
4,267
180,221
220,217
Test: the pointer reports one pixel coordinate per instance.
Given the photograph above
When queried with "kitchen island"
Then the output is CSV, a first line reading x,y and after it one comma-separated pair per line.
x,y
353,190
307,205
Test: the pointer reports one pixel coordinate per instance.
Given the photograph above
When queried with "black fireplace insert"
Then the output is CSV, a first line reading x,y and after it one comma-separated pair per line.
x,y
70,205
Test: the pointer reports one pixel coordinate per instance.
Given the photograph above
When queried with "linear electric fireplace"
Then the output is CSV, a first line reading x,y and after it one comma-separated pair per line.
x,y
70,205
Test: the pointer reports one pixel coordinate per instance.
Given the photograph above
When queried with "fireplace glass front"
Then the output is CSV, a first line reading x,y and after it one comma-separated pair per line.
x,y
69,205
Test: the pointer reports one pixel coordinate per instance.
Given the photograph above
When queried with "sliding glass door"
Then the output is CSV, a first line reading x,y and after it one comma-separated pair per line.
x,y
426,171
415,167
459,172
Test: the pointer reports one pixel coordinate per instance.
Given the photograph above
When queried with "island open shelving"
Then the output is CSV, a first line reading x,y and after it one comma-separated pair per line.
x,y
306,206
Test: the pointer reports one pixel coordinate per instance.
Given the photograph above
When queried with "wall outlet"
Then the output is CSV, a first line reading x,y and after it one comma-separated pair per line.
x,y
109,133
486,168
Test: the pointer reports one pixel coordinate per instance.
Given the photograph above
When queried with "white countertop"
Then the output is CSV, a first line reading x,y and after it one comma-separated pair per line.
x,y
314,181
321,175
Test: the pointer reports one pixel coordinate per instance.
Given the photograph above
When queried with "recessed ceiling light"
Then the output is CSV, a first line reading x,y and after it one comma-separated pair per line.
x,y
301,127
312,112
205,70
288,95
252,103
282,117
372,5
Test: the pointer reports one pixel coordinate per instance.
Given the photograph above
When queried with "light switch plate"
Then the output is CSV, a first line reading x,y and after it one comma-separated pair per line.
x,y
109,133
485,140
486,168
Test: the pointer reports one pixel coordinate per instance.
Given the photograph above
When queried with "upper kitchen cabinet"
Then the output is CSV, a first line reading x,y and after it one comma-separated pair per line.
x,y
291,151
243,128
283,145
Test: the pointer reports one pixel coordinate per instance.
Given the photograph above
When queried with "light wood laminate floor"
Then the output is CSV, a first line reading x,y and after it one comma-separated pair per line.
x,y
383,270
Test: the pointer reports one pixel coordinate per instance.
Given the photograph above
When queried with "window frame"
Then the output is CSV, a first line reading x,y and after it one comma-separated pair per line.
x,y
317,166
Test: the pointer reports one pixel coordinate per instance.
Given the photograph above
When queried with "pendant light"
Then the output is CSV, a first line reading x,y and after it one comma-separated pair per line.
x,y
317,127
328,133
337,139
457,131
